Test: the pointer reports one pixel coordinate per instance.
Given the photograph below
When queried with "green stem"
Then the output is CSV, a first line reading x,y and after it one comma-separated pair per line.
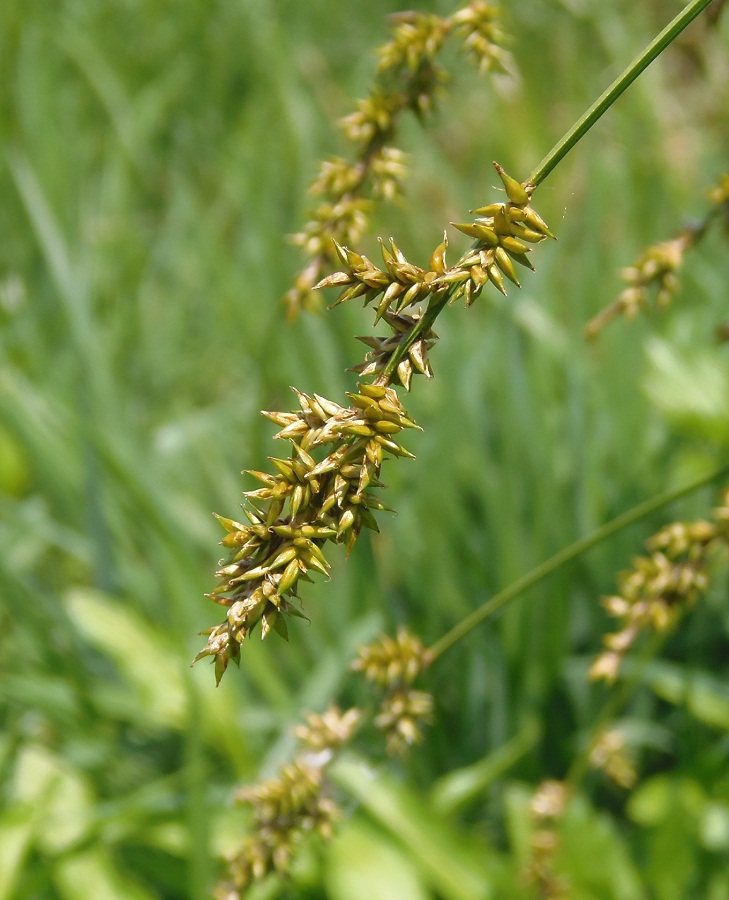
x,y
566,555
562,148
421,327
606,100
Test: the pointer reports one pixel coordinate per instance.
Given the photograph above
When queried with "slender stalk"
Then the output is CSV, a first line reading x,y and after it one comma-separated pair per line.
x,y
623,81
564,145
422,327
566,555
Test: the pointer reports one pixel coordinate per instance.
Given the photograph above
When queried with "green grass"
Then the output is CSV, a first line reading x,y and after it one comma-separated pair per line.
x,y
153,157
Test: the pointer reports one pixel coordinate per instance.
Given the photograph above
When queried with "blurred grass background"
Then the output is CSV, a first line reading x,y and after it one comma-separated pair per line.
x,y
154,155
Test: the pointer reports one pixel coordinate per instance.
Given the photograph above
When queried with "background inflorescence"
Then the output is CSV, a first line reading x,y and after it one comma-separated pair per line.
x,y
300,802
408,77
661,586
655,273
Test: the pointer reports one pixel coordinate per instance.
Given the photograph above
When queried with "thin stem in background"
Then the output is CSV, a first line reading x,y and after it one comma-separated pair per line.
x,y
566,555
623,81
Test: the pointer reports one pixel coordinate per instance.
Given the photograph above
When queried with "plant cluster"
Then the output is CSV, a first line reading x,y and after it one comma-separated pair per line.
x,y
306,503
324,490
467,754
611,754
393,664
301,801
295,804
310,499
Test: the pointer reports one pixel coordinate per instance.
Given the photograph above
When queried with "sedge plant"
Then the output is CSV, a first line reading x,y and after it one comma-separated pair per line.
x,y
327,488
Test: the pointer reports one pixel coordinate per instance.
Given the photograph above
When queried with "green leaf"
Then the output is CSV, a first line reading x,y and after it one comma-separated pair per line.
x,y
443,855
595,856
654,800
146,658
703,695
362,863
458,788
17,831
691,386
92,873
668,807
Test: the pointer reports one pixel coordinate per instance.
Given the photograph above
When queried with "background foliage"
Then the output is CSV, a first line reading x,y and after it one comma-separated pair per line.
x,y
154,155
